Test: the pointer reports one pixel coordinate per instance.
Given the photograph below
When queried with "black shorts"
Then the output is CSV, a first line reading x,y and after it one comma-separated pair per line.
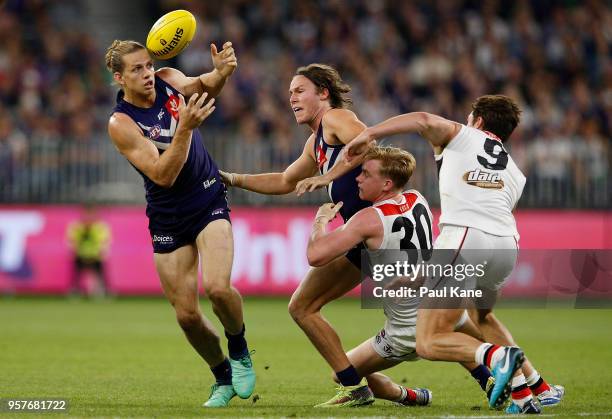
x,y
354,255
88,264
188,226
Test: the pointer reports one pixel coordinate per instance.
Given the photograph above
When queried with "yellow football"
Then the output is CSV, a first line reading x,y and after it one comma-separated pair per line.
x,y
171,34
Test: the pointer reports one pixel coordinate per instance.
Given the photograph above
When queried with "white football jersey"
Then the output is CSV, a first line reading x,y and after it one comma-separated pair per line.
x,y
479,183
407,225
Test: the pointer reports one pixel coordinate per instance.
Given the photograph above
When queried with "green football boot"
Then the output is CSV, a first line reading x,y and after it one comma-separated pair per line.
x,y
220,396
351,396
243,375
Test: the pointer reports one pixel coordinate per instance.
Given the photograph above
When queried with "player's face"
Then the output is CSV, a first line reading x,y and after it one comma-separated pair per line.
x,y
138,73
370,182
304,99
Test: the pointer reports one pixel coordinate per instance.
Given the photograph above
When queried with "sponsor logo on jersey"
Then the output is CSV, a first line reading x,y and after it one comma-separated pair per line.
x,y
321,157
218,211
172,105
160,115
155,132
483,179
162,239
209,182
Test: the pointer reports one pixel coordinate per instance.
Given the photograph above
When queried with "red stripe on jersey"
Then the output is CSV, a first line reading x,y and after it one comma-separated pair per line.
x,y
493,136
397,209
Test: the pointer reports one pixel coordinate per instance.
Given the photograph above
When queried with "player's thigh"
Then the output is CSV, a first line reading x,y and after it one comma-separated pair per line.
x,y
325,283
432,321
216,247
178,274
367,361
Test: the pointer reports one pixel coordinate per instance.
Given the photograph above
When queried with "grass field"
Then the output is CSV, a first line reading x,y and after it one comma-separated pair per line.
x,y
129,358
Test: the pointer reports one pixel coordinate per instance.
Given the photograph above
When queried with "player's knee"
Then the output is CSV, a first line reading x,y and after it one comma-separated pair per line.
x,y
188,319
217,294
423,349
296,310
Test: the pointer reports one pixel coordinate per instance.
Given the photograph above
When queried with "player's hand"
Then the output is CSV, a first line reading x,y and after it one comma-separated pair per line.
x,y
358,146
310,184
224,61
328,212
192,114
228,178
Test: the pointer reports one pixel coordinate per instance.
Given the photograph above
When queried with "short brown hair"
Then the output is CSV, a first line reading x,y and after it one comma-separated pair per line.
x,y
326,77
116,51
395,163
499,113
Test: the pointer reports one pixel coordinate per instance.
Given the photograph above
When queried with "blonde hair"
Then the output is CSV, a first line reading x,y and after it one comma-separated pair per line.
x,y
116,51
395,163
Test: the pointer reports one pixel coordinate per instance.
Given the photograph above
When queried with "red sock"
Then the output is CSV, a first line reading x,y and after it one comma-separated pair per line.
x,y
521,393
539,387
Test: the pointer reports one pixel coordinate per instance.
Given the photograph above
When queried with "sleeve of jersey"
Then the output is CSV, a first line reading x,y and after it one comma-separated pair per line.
x,y
461,141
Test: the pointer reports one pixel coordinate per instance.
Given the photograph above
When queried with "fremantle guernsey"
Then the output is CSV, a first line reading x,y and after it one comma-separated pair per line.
x,y
198,185
345,187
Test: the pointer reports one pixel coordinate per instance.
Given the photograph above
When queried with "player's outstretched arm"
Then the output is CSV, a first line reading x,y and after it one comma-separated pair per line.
x,y
276,183
224,62
323,246
435,129
344,126
164,169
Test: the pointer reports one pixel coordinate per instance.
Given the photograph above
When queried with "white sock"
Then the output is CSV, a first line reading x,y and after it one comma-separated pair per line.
x,y
402,396
533,378
496,356
480,352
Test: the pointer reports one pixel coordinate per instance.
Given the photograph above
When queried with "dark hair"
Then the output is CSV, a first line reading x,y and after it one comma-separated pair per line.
x,y
326,77
116,51
395,163
499,113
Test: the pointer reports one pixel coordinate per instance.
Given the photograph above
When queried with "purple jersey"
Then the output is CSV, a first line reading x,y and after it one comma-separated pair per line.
x,y
345,187
198,183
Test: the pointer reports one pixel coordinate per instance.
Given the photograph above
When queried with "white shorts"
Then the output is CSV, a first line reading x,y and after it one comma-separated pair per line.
x,y
499,252
399,343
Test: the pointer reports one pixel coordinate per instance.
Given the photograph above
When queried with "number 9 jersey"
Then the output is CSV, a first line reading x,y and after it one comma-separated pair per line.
x,y
479,183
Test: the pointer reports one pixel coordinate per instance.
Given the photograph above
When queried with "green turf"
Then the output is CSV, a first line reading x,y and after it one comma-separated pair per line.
x,y
129,358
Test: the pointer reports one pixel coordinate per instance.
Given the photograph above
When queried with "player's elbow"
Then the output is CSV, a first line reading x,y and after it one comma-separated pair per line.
x,y
424,120
315,257
164,181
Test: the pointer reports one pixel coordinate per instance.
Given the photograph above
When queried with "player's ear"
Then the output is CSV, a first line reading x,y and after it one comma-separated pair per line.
x,y
324,93
479,122
117,77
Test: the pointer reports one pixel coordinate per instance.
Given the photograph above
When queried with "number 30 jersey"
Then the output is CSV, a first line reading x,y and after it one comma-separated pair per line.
x,y
407,224
479,183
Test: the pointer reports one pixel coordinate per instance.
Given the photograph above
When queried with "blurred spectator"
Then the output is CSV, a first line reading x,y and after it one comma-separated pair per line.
x,y
554,57
89,239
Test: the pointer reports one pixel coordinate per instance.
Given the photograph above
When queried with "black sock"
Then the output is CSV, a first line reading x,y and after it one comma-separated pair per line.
x,y
223,373
348,377
481,374
237,345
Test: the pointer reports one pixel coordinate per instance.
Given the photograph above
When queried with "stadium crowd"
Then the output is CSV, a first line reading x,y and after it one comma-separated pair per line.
x,y
554,57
